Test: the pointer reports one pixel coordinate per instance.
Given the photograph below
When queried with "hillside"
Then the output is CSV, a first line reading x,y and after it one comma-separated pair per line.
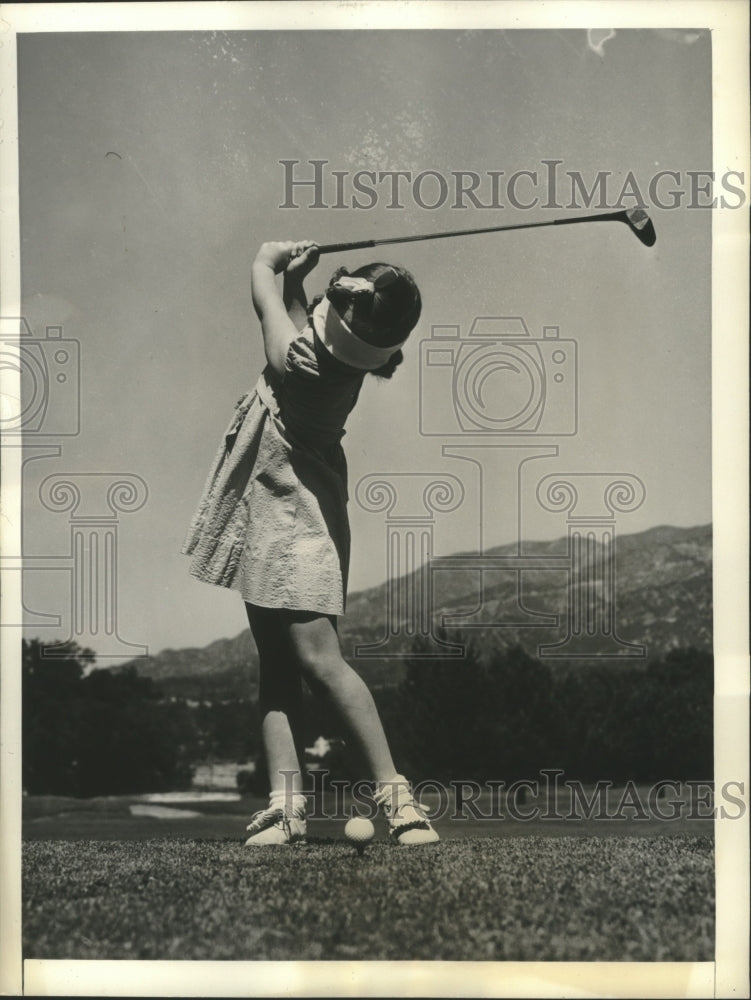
x,y
663,591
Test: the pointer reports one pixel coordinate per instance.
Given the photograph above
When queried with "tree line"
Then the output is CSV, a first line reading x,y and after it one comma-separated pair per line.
x,y
496,713
504,714
112,732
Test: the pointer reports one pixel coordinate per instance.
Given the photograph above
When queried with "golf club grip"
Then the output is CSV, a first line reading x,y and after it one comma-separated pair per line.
x,y
339,247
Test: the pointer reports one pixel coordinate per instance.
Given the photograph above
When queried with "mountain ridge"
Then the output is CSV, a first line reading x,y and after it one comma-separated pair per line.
x,y
663,599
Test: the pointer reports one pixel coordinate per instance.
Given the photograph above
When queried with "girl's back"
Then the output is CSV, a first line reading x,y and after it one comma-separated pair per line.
x,y
317,393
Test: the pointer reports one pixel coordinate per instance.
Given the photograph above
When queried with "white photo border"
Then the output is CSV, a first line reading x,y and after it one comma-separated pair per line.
x,y
728,975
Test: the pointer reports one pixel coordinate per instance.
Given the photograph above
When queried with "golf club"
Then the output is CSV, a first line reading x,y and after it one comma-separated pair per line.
x,y
636,219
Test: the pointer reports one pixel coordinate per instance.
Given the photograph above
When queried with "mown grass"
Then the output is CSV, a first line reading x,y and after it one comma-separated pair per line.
x,y
523,899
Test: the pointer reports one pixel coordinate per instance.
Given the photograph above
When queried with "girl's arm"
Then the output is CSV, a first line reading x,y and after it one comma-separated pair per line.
x,y
279,315
295,300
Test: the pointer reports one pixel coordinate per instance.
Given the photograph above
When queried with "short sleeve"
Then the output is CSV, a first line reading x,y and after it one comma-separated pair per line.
x,y
301,358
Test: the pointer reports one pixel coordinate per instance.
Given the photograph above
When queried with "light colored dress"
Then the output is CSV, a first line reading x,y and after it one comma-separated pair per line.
x,y
272,519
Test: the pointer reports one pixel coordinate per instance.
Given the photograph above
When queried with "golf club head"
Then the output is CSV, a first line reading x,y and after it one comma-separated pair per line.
x,y
641,226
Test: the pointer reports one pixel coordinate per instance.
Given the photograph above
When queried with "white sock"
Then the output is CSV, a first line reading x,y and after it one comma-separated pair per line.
x,y
293,803
392,783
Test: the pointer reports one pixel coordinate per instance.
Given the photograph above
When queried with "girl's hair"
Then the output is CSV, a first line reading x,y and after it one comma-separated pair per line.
x,y
385,371
382,317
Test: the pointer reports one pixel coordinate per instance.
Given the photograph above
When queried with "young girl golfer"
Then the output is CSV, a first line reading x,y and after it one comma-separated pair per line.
x,y
272,520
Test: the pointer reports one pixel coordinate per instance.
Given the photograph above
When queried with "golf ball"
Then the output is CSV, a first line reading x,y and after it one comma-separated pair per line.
x,y
359,830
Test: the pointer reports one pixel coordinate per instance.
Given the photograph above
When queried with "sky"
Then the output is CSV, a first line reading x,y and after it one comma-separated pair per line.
x,y
151,171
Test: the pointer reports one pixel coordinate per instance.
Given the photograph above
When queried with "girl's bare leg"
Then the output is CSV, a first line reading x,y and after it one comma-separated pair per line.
x,y
280,702
314,645
303,643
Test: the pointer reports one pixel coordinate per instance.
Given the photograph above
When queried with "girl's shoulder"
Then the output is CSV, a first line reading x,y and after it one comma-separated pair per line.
x,y
301,355
308,358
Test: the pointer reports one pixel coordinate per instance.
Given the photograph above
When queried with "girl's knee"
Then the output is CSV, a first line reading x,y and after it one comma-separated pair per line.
x,y
322,669
323,666
315,646
305,642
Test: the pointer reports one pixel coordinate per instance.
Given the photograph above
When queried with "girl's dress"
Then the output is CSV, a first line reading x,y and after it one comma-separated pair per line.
x,y
272,520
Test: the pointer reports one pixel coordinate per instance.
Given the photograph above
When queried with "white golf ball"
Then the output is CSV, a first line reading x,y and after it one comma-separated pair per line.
x,y
359,830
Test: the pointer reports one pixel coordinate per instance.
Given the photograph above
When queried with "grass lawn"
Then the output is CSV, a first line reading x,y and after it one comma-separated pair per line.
x,y
517,898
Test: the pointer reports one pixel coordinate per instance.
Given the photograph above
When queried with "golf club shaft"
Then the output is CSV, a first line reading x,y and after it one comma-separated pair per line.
x,y
365,244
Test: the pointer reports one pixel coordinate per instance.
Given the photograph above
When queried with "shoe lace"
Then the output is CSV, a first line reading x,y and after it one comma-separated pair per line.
x,y
265,818
396,800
